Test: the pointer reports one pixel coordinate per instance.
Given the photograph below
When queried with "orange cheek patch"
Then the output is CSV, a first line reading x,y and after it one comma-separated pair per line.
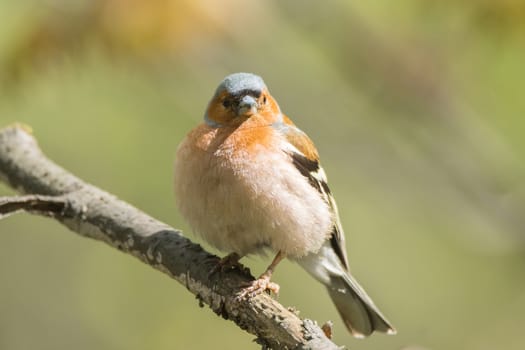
x,y
217,114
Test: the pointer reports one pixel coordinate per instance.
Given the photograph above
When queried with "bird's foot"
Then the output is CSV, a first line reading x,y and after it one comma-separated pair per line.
x,y
230,261
258,286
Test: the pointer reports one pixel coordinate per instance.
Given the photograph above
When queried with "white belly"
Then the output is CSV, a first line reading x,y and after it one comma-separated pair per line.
x,y
250,204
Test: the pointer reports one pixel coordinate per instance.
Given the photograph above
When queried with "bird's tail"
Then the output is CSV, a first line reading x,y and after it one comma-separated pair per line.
x,y
357,310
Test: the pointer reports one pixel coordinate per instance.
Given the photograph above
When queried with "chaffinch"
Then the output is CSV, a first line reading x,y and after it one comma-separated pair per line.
x,y
247,180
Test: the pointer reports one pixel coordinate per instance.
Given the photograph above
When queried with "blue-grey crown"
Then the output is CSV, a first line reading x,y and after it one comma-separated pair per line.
x,y
237,82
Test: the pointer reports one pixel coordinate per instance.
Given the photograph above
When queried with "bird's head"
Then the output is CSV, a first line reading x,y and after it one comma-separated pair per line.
x,y
239,97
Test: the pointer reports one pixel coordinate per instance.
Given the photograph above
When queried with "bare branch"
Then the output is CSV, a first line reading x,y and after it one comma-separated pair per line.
x,y
96,214
43,205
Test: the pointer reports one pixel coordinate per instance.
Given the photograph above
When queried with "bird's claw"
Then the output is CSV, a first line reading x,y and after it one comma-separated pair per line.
x,y
258,286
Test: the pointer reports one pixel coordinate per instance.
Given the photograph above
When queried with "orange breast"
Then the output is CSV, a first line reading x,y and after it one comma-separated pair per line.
x,y
247,138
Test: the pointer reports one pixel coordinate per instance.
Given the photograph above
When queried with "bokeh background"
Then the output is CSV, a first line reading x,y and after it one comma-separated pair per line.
x,y
417,108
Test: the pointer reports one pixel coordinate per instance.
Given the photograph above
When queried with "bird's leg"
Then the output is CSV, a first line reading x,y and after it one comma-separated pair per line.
x,y
263,283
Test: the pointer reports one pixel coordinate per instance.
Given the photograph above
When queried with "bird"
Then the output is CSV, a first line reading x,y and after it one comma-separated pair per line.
x,y
249,181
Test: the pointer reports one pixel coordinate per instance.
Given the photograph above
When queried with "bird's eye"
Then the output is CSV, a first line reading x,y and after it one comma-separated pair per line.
x,y
226,103
264,99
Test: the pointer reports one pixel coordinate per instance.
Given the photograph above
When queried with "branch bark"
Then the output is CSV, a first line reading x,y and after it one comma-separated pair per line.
x,y
37,204
93,213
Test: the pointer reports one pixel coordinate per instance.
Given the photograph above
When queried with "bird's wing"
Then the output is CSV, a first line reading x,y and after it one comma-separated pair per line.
x,y
305,157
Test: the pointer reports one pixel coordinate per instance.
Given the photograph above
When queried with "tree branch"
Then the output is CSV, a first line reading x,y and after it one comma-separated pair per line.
x,y
93,213
37,204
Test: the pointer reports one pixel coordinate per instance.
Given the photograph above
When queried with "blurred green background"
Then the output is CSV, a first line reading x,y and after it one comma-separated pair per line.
x,y
416,107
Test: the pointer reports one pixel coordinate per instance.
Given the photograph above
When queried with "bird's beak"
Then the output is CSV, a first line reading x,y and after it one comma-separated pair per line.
x,y
247,105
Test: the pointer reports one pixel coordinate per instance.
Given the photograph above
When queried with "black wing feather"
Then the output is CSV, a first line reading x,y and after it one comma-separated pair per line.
x,y
310,168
